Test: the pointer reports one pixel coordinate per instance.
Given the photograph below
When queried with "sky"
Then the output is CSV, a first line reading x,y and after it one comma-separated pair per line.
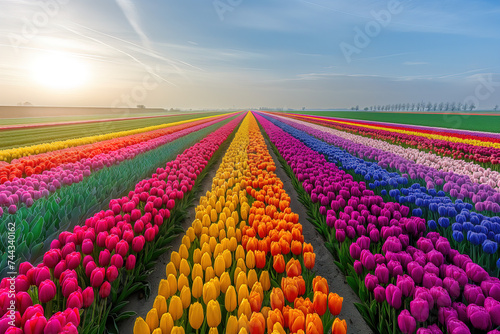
x,y
242,54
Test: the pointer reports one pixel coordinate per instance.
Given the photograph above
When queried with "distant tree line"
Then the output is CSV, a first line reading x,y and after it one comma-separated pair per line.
x,y
421,106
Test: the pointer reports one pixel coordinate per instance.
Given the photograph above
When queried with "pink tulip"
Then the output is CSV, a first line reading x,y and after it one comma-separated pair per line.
x,y
46,291
88,297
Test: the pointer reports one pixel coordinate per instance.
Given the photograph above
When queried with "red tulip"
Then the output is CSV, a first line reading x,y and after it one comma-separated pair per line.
x,y
97,277
122,248
51,258
23,301
36,324
138,243
111,273
117,261
105,290
75,299
73,260
60,268
130,264
88,296
69,286
46,291
87,246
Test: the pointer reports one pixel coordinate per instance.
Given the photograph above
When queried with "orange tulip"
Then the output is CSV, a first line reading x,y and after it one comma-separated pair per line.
x,y
279,263
293,268
257,323
255,301
290,288
277,299
305,305
296,320
335,303
275,248
296,247
285,246
307,248
320,284
265,280
314,325
339,326
301,284
274,317
286,315
320,302
260,259
309,260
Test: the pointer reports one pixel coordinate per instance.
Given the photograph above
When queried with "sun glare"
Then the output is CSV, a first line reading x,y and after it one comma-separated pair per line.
x,y
60,71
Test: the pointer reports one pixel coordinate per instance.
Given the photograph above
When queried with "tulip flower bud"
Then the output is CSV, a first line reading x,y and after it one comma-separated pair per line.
x,y
46,291
176,308
141,327
213,313
230,299
196,316
166,323
160,304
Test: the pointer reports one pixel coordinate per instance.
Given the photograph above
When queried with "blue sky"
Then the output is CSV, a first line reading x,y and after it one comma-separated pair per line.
x,y
248,54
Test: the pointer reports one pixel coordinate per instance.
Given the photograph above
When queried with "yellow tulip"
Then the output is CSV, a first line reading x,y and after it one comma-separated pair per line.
x,y
252,278
205,249
242,293
218,250
240,279
197,225
258,288
265,280
241,264
278,329
197,271
197,256
213,330
225,281
230,299
213,215
172,282
196,316
265,312
184,268
213,313
141,327
223,217
191,235
213,231
238,233
178,330
183,251
230,232
218,207
243,331
242,322
222,234
182,282
233,243
232,325
228,258
157,331
203,240
220,265
197,287
244,213
216,283
209,274
160,304
164,289
240,253
234,215
206,220
250,260
175,258
245,308
212,242
152,319
186,297
206,261
186,240
209,292
171,269
175,308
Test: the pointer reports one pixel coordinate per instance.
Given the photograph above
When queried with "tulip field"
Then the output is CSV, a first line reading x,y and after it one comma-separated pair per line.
x,y
409,215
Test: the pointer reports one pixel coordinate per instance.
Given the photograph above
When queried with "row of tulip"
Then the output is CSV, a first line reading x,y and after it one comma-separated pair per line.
x,y
485,231
385,153
437,287
220,280
37,225
84,162
457,149
87,274
39,161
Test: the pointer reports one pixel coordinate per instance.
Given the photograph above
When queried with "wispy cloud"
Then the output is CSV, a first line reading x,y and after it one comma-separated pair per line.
x,y
415,63
128,8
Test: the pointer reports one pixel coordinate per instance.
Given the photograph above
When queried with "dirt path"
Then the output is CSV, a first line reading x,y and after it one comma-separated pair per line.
x,y
324,266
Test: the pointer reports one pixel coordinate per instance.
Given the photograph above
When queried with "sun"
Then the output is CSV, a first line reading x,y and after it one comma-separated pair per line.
x,y
60,71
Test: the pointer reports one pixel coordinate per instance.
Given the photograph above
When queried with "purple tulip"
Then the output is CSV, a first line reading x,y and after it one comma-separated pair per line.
x,y
392,244
457,274
435,257
379,293
443,246
432,268
475,272
431,280
363,242
395,268
406,322
419,309
452,287
423,293
340,235
456,326
479,317
393,296
406,284
434,329
416,271
473,294
491,288
371,282
446,313
425,245
461,311
493,307
382,273
358,267
367,259
441,296
355,251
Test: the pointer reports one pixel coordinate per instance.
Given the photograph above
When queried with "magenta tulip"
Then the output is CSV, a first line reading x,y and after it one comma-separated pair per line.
x,y
479,317
493,307
46,291
105,290
406,322
97,277
419,309
393,296
75,299
88,296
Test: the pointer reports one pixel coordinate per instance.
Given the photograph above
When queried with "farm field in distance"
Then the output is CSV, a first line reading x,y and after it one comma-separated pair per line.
x,y
488,121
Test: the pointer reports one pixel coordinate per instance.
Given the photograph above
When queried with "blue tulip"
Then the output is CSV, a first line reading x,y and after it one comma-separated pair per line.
x,y
497,238
442,211
467,226
490,247
460,218
441,193
432,224
474,219
456,227
480,229
383,192
473,238
452,212
433,207
458,236
444,222
417,212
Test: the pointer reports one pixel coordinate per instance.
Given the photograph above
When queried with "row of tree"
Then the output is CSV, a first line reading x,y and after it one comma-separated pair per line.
x,y
422,106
